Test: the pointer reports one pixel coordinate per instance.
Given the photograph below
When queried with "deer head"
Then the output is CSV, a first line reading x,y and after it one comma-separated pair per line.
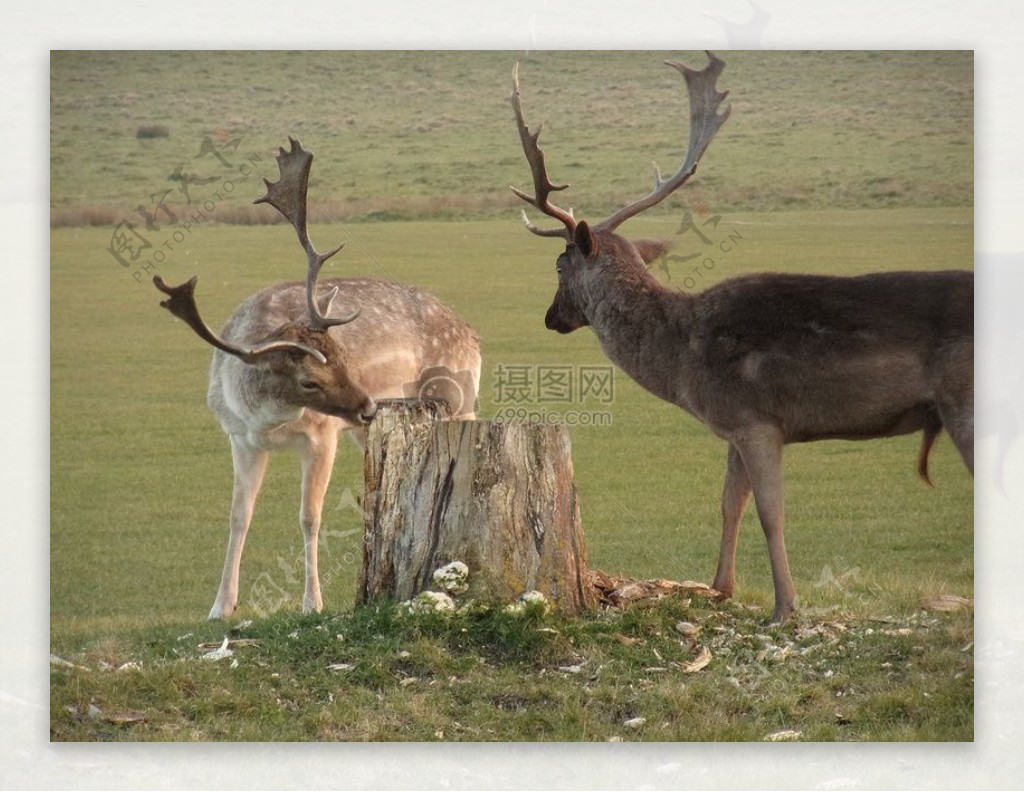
x,y
597,262
304,365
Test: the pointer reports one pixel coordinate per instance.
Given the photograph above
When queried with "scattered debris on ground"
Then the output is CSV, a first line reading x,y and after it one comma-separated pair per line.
x,y
618,592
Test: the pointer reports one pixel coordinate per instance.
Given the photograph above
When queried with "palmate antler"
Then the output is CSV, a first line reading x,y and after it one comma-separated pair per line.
x,y
705,121
288,196
182,303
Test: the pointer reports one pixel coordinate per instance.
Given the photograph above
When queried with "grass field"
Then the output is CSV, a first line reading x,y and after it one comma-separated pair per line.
x,y
141,474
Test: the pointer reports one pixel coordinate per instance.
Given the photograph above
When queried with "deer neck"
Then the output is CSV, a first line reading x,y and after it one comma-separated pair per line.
x,y
245,400
644,328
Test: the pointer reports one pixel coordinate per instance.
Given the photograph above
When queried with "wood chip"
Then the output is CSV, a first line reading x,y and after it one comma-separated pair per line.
x,y
60,662
948,602
616,592
219,653
786,735
233,643
124,717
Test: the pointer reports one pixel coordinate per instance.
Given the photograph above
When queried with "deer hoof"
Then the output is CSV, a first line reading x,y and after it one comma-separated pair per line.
x,y
724,589
782,615
219,611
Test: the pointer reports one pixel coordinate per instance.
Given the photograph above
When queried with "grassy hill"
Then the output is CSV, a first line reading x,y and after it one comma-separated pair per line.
x,y
415,135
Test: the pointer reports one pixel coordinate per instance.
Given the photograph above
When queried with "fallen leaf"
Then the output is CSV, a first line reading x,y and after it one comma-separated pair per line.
x,y
702,659
409,681
634,723
340,667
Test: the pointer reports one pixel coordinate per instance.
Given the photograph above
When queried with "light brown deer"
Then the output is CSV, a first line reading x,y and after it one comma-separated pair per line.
x,y
765,360
291,370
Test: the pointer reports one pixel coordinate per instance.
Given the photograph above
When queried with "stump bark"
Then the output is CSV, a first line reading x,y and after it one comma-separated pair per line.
x,y
500,497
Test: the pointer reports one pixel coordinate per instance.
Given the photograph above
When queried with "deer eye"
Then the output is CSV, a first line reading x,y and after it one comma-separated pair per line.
x,y
309,385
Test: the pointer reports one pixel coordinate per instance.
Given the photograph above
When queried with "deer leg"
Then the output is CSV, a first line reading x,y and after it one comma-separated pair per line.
x,y
958,419
317,462
250,465
960,424
955,386
735,495
762,456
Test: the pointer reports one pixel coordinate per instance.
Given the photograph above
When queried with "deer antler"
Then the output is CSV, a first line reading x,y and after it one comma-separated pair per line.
x,y
542,187
705,121
288,196
182,303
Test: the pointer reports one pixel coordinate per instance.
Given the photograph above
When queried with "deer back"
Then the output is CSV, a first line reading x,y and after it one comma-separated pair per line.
x,y
402,333
837,357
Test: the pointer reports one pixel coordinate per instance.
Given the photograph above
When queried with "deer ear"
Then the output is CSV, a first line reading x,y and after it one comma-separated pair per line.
x,y
326,300
650,249
585,240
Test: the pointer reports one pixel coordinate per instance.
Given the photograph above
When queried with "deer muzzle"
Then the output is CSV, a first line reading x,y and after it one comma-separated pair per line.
x,y
367,410
553,320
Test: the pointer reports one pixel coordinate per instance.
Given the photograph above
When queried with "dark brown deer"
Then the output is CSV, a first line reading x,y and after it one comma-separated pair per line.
x,y
292,370
765,360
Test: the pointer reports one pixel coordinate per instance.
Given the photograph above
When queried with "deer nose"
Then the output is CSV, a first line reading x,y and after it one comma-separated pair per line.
x,y
552,321
368,410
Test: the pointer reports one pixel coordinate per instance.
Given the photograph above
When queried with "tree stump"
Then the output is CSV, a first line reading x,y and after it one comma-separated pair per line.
x,y
500,497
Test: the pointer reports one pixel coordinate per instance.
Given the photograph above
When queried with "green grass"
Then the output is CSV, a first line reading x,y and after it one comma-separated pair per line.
x,y
141,478
380,674
842,162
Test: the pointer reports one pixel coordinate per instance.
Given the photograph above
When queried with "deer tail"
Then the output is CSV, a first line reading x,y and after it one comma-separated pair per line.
x,y
931,431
